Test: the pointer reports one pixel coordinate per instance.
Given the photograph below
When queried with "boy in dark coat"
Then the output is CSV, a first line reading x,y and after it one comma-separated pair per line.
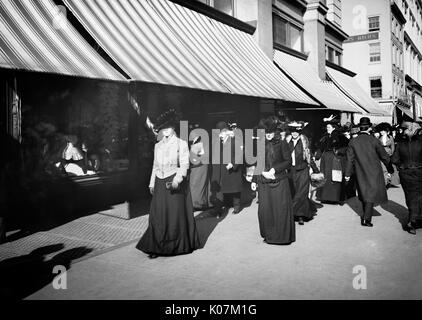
x,y
364,155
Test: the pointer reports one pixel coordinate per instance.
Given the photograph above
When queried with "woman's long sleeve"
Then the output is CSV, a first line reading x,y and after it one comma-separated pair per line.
x,y
182,171
154,169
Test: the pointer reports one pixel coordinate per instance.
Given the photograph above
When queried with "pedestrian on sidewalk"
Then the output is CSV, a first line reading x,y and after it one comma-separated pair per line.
x,y
363,157
388,143
226,177
350,188
275,207
199,181
408,157
332,146
171,227
304,209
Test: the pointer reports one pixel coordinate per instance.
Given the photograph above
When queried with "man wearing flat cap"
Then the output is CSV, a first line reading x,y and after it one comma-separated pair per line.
x,y
363,157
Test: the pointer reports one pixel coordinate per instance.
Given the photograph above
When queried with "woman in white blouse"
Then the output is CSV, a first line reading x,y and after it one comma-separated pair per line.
x,y
171,229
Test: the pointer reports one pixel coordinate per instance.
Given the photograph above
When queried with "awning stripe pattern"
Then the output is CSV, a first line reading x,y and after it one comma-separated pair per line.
x,y
139,41
193,28
323,91
162,42
349,86
261,65
34,36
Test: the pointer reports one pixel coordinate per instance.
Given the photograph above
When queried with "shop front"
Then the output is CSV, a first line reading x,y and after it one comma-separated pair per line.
x,y
82,113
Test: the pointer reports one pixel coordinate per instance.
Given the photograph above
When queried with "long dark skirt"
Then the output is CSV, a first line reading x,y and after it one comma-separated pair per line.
x,y
331,191
351,187
172,228
199,186
275,213
411,181
302,205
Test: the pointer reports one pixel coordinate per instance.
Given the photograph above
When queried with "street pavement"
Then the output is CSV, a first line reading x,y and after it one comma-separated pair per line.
x,y
236,264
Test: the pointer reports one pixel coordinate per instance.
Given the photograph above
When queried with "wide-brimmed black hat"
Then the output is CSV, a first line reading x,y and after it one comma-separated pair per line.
x,y
268,124
221,125
383,126
168,119
282,127
365,121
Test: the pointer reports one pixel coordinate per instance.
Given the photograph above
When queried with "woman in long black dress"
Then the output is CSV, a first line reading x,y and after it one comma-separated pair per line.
x,y
171,229
275,209
408,158
333,146
304,209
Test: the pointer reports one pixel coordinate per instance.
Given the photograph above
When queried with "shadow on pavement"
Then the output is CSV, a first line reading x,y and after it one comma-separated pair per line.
x,y
399,211
356,206
24,275
206,222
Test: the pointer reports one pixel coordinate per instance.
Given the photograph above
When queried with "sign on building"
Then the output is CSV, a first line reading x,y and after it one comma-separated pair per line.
x,y
363,37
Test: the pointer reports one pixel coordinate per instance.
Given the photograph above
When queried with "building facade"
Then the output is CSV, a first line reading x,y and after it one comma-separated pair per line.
x,y
384,49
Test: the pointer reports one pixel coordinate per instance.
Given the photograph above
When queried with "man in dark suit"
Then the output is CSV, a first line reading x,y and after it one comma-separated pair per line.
x,y
363,157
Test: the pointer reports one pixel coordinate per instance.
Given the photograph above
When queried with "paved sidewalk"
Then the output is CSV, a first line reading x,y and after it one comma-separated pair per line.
x,y
236,264
88,235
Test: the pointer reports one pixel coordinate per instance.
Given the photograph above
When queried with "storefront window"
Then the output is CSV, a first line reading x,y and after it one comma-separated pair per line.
x,y
74,127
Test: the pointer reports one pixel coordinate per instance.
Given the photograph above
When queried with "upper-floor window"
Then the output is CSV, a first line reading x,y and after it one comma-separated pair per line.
x,y
287,34
374,52
333,55
225,6
373,23
376,87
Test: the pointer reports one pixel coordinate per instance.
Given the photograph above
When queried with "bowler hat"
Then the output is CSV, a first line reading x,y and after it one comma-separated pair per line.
x,y
364,121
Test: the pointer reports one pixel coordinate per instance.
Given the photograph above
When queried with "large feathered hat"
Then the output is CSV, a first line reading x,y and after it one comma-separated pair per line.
x,y
168,119
268,124
332,119
297,125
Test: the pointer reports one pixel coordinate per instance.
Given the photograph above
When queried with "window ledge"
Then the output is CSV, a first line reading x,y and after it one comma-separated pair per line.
x,y
291,51
216,15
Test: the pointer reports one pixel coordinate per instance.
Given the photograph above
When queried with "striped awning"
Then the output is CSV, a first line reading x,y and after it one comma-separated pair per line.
x,y
35,36
159,41
304,75
405,110
350,87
